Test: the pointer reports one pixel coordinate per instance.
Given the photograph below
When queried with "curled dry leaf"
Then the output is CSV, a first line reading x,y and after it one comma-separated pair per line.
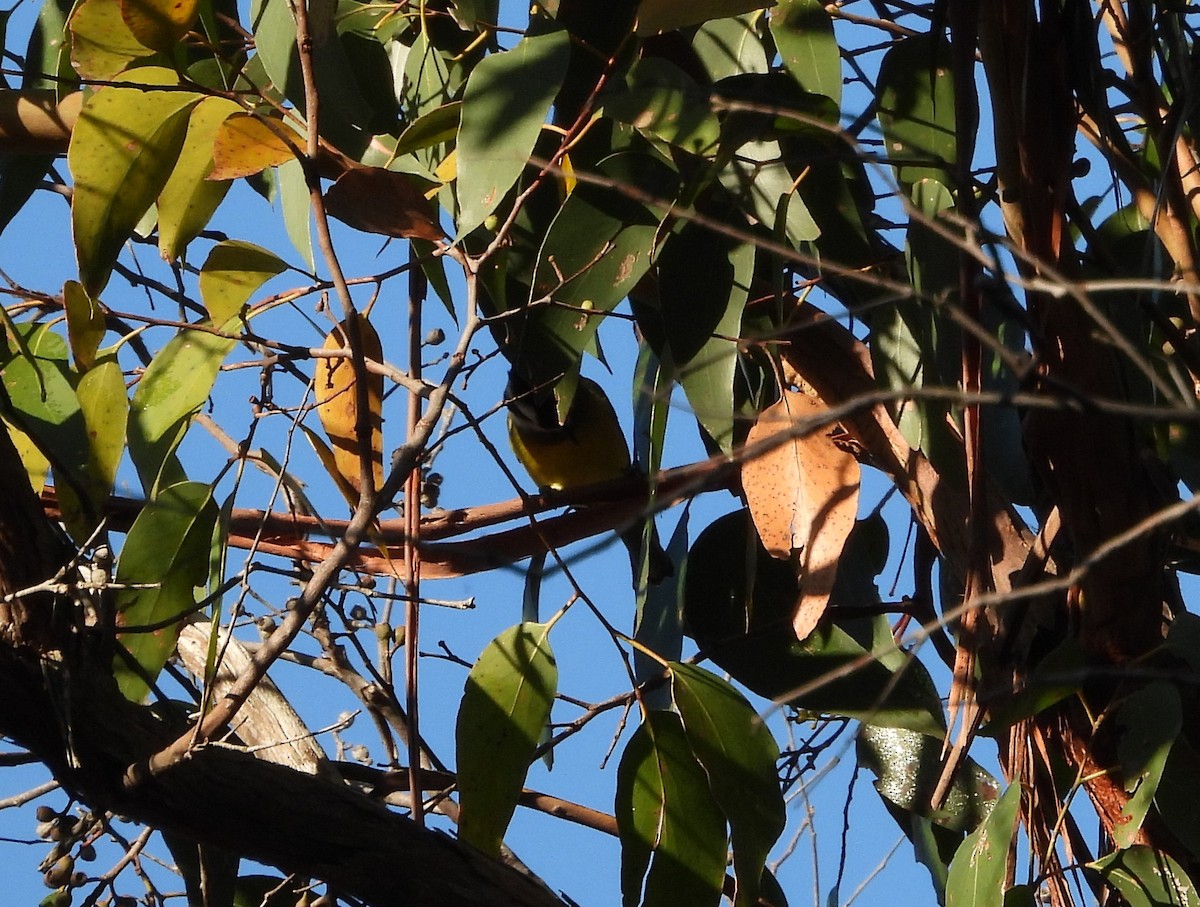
x,y
337,404
802,494
381,201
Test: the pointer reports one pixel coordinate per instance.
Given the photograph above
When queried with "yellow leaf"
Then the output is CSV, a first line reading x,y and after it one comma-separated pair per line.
x,y
101,43
159,24
337,405
803,495
245,145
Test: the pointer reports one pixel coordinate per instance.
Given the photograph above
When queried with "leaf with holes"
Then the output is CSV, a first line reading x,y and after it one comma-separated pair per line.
x,y
504,707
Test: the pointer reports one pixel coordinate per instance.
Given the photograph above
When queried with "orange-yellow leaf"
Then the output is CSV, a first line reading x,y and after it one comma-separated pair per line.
x,y
159,24
381,201
337,405
803,495
246,145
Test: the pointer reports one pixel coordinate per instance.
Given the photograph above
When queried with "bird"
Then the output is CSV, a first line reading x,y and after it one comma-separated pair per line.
x,y
587,447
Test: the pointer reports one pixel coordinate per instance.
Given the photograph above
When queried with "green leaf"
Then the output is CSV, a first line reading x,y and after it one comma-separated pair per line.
x,y
730,46
173,388
758,177
655,16
168,544
663,101
977,871
232,273
188,200
504,707
105,409
916,109
739,755
907,765
803,33
437,127
122,151
673,840
85,324
704,280
738,603
597,248
1150,720
1146,877
507,99
296,202
102,44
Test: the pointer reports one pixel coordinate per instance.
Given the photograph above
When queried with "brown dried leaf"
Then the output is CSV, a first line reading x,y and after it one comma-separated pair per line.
x,y
802,494
246,145
337,404
381,201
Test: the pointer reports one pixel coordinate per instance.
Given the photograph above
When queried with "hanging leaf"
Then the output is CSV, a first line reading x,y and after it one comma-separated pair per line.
x,y
437,127
673,840
1147,878
655,16
296,201
803,494
85,324
738,605
703,283
907,765
507,99
167,545
739,755
916,109
803,33
382,201
159,24
978,869
663,101
37,466
337,404
1150,719
122,151
244,145
504,707
232,273
189,198
173,388
102,44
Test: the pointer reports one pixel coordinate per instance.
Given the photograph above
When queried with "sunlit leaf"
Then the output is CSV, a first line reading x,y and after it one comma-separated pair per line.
x,y
159,24
101,42
978,869
189,198
438,126
85,323
172,389
243,144
232,273
507,99
504,707
105,408
803,494
167,545
122,151
673,838
907,765
1147,878
334,386
738,754
37,465
296,201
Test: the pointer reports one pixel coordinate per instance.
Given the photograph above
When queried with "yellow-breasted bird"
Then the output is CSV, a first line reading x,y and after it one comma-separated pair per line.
x,y
586,448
